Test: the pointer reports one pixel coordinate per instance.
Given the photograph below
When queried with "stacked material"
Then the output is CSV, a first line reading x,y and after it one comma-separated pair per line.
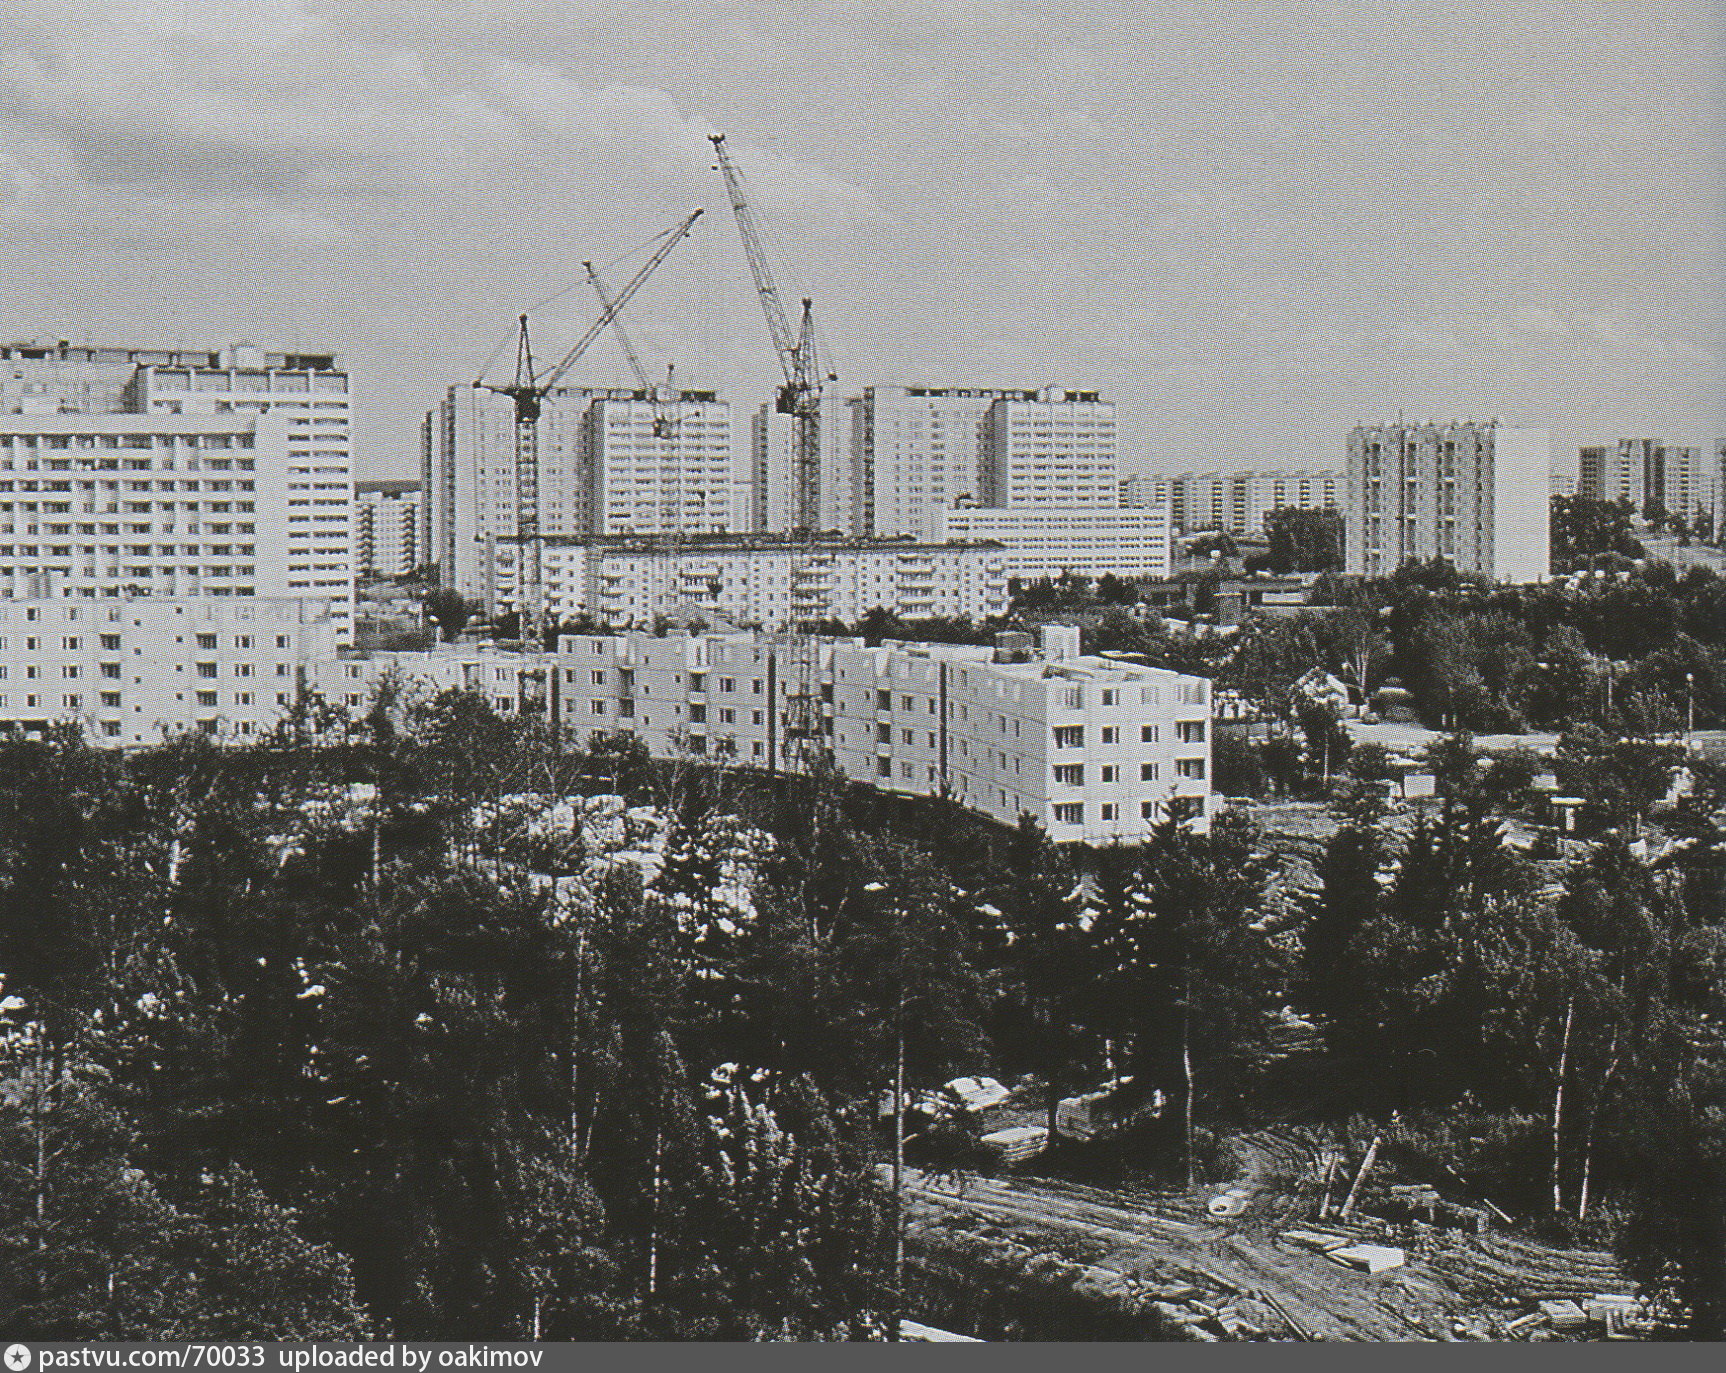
x,y
1019,1143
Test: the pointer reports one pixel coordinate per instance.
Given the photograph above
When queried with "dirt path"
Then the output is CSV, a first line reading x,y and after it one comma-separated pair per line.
x,y
1326,1302
1467,1287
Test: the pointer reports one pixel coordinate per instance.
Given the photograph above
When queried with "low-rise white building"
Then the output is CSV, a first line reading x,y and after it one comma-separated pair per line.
x,y
759,581
1095,749
132,671
1045,541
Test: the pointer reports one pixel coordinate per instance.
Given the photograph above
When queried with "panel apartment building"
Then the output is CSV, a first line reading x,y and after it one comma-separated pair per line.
x,y
611,462
386,528
1233,502
184,473
751,580
1646,472
1474,493
1095,749
133,670
925,446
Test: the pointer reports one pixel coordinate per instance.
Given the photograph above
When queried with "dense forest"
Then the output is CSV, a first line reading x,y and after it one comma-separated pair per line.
x,y
441,1025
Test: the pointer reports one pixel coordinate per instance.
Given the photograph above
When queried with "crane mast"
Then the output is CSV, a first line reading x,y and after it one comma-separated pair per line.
x,y
800,398
664,418
528,391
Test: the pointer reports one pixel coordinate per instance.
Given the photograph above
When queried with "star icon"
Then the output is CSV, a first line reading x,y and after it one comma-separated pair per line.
x,y
17,1357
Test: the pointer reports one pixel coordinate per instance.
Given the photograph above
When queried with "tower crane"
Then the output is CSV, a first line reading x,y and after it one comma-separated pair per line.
x,y
800,393
800,398
665,418
528,391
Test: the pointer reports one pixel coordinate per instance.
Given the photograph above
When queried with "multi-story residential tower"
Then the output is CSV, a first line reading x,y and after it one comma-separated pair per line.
x,y
610,462
1233,502
922,446
1056,448
386,528
99,506
308,539
1474,493
772,472
1649,473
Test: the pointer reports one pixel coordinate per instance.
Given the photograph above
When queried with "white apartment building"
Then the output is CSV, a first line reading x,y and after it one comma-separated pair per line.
x,y
603,469
772,471
659,467
134,670
919,446
1045,541
759,581
1097,750
1233,502
386,528
1056,448
1645,472
309,536
94,506
1474,493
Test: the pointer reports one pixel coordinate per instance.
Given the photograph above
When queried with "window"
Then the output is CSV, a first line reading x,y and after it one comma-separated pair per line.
x,y
1111,773
1111,734
111,643
1190,731
727,684
1070,774
883,732
1111,811
1147,772
111,670
207,642
598,675
1148,809
1111,696
596,707
1069,736
1189,767
1070,813
110,700
883,700
206,698
1147,734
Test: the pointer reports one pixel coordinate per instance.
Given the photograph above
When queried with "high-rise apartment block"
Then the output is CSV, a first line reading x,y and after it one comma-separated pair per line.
x,y
386,528
180,473
611,462
1649,473
1231,502
1474,493
924,446
773,471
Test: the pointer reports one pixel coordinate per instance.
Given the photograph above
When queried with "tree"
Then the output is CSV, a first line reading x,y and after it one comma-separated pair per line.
x,y
1304,540
449,610
1193,978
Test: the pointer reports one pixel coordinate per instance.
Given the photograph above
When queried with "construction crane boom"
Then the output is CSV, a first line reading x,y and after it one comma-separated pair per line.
x,y
528,392
800,395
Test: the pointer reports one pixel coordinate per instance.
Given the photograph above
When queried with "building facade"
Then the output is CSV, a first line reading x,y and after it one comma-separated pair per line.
x,y
1234,503
772,471
759,581
134,670
1649,473
282,509
612,461
1047,541
386,528
919,446
1474,493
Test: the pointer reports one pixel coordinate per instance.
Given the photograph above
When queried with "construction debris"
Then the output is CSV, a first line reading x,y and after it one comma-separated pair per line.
x,y
1563,1315
1019,1143
1316,1240
976,1094
1230,1203
1369,1258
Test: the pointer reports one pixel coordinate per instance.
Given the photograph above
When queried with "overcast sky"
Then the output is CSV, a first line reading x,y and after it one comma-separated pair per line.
x,y
1253,223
